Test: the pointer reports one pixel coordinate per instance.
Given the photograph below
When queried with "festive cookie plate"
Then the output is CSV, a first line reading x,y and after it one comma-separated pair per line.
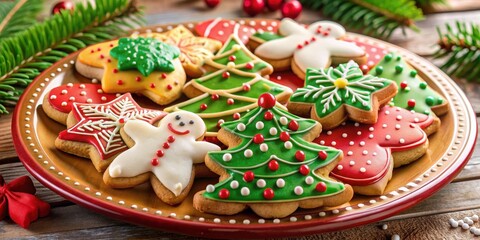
x,y
77,137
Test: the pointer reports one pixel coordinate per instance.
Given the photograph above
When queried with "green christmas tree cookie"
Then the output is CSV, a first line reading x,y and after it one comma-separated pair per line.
x,y
231,87
413,93
271,165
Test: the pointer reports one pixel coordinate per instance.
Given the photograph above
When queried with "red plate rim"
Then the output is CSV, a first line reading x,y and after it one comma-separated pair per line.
x,y
285,229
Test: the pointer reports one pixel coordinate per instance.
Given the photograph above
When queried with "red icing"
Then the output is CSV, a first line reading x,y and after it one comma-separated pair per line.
x,y
273,165
268,193
322,155
267,101
258,138
105,119
293,125
321,187
236,116
230,101
226,75
222,29
203,106
155,162
284,136
81,95
300,156
304,170
170,127
268,115
215,96
224,194
411,103
248,176
160,153
171,139
371,144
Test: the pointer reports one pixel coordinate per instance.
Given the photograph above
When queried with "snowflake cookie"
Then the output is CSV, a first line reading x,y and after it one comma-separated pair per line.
x,y
317,46
94,129
271,166
331,95
371,151
165,155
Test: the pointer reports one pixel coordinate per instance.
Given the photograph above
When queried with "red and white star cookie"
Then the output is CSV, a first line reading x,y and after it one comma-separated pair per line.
x,y
371,151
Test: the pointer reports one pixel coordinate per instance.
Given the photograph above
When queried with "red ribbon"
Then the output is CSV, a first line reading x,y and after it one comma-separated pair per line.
x,y
18,200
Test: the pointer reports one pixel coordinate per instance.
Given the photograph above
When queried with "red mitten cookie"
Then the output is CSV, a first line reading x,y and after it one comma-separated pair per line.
x,y
94,129
372,151
58,103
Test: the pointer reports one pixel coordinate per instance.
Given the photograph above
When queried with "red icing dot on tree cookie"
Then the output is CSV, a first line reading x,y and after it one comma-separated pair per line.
x,y
203,106
266,100
321,187
268,115
411,103
304,170
403,85
236,116
154,162
268,193
246,87
226,75
224,194
249,66
273,165
230,101
232,58
322,155
258,138
293,125
300,156
284,136
215,97
248,176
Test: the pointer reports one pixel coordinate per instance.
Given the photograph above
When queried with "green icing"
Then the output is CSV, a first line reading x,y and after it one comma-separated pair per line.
x,y
144,55
216,81
241,57
325,90
260,87
214,106
258,163
415,88
211,123
267,36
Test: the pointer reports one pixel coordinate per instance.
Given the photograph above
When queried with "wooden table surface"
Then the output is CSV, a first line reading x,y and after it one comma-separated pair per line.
x,y
427,220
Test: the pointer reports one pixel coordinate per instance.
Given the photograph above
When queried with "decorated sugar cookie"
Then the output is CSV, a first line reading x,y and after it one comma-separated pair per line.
x,y
317,46
94,129
193,50
136,65
331,95
58,103
371,151
164,154
232,88
220,29
413,93
271,166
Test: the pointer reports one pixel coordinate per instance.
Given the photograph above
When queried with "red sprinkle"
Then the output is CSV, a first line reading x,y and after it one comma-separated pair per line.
x,y
111,45
152,85
258,138
121,120
166,145
321,187
215,97
248,176
322,155
268,194
306,42
154,161
246,87
203,106
115,70
299,46
226,75
230,101
273,165
326,33
268,115
284,136
169,87
171,139
300,156
403,84
138,79
120,82
304,170
249,66
92,51
219,123
224,194
313,39
232,58
236,116
109,60
411,103
99,49
164,75
293,125
101,56
160,153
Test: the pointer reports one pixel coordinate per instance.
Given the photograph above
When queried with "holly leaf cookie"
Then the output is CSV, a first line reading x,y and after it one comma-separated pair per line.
x,y
271,166
231,88
58,103
165,155
94,129
193,50
371,151
414,93
136,65
331,95
317,46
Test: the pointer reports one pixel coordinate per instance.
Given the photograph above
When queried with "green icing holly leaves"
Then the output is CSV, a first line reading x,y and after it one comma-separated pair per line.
x,y
144,55
273,162
328,89
413,93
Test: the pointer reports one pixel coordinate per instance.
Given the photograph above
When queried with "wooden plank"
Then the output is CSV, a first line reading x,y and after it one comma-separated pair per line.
x,y
7,151
454,6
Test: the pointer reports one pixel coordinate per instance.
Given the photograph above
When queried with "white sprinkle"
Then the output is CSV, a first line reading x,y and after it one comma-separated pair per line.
x,y
388,137
293,219
475,218
371,129
261,221
453,223
227,157
336,211
352,163
365,152
344,135
216,220
359,133
259,125
234,184
339,167
280,183
370,136
351,143
273,131
246,221
329,133
349,153
263,147
395,237
384,125
401,140
397,126
465,226
248,153
245,191
298,190
309,180
288,145
399,117
283,120
261,183
241,127
362,169
276,220
210,188
362,143
384,227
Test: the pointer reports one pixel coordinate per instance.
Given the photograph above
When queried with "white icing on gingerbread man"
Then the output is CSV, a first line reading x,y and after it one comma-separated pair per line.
x,y
310,47
168,151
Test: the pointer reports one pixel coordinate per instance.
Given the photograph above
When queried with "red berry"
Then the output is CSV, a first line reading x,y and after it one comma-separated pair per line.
x,y
253,7
293,125
215,97
411,103
268,115
248,176
160,153
322,155
273,165
171,139
154,162
300,156
321,187
403,84
249,66
62,5
258,138
236,116
232,58
223,194
284,136
225,75
274,5
203,106
304,170
212,3
230,101
267,101
268,193
291,9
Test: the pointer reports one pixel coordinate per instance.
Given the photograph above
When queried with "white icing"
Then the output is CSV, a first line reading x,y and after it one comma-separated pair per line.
x,y
280,183
175,166
317,53
298,190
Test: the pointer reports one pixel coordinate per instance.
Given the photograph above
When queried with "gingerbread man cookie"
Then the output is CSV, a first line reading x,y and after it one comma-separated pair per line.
x,y
333,94
371,151
58,103
164,154
136,65
94,129
318,46
193,50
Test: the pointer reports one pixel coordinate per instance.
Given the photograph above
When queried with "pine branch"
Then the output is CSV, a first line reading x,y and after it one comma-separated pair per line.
x,y
26,54
459,45
18,15
426,3
372,17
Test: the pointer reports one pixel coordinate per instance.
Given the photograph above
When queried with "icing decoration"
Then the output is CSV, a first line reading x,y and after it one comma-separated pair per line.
x,y
228,98
63,97
273,175
367,148
330,89
145,55
99,124
414,93
171,165
221,30
193,50
310,47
